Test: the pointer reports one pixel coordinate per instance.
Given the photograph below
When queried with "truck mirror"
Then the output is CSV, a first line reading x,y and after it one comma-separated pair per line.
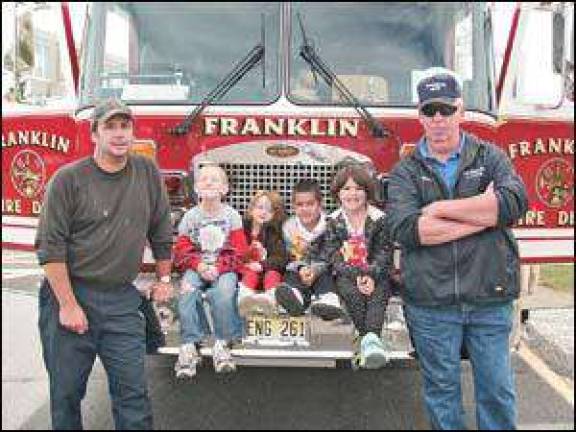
x,y
558,25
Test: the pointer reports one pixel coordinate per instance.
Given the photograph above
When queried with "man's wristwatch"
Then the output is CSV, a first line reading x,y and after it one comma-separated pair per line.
x,y
165,279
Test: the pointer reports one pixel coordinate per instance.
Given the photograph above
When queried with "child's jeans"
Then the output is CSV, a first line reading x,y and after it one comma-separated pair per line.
x,y
221,295
270,279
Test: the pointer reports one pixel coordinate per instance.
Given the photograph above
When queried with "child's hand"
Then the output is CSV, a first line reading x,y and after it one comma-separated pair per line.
x,y
207,272
210,274
365,285
255,266
307,275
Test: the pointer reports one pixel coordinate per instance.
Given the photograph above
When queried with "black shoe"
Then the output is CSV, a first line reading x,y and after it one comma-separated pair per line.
x,y
327,307
289,300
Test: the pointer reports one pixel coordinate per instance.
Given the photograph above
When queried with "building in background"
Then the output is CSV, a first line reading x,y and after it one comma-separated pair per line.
x,y
42,75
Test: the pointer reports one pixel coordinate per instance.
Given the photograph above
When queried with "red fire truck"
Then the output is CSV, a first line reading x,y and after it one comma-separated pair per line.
x,y
275,92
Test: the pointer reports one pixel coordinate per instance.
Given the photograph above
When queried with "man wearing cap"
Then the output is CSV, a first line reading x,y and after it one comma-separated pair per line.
x,y
96,216
451,204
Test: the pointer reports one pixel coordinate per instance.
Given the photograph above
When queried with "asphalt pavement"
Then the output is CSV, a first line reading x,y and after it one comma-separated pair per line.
x,y
275,398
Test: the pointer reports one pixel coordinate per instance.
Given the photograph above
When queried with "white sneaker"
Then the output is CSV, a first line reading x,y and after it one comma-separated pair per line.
x,y
327,307
222,358
188,359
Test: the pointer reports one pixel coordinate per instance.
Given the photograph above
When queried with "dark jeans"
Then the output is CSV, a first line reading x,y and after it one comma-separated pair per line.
x,y
117,335
367,312
438,335
324,283
154,336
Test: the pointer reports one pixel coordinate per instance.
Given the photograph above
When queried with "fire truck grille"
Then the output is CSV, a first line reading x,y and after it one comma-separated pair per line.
x,y
246,178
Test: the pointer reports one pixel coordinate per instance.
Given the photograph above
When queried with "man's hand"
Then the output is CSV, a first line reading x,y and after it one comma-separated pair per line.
x,y
307,275
365,285
73,318
161,292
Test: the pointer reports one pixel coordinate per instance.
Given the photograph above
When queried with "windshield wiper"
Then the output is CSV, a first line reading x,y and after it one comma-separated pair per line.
x,y
309,54
255,55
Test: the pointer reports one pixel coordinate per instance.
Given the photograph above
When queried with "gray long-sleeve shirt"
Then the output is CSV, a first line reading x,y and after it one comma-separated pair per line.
x,y
98,223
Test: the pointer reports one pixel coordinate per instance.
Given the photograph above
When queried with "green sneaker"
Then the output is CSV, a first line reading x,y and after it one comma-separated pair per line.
x,y
373,354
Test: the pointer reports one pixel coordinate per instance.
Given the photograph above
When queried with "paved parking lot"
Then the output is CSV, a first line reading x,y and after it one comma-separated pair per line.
x,y
261,398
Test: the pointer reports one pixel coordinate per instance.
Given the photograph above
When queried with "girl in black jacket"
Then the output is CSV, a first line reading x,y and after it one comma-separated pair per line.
x,y
358,249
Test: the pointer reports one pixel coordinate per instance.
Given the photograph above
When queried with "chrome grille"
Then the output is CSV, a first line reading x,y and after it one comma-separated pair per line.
x,y
246,178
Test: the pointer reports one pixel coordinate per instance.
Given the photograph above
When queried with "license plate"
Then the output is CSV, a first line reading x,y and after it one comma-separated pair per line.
x,y
277,328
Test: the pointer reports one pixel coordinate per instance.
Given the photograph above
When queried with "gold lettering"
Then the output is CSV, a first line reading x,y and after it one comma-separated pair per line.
x,y
512,150
63,144
295,127
35,138
554,146
11,206
272,126
524,148
36,207
23,138
315,128
566,218
539,147
12,139
349,127
280,126
210,124
53,139
228,126
331,127
250,127
533,218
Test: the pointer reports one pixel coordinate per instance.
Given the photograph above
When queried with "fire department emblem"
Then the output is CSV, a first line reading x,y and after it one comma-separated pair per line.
x,y
28,173
555,183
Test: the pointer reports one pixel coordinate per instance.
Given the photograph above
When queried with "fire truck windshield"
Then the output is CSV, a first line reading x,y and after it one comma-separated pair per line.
x,y
176,53
379,50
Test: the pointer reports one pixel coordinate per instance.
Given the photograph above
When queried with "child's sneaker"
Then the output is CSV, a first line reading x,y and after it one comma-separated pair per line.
x,y
327,307
188,359
222,358
373,354
290,298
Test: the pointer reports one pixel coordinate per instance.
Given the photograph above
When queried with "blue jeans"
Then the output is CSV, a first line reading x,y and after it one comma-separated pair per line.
x,y
438,334
222,295
117,335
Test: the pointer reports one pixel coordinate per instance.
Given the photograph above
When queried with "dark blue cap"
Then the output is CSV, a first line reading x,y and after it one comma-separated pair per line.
x,y
442,88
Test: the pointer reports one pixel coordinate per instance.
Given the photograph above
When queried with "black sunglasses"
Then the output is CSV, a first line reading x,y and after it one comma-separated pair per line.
x,y
430,110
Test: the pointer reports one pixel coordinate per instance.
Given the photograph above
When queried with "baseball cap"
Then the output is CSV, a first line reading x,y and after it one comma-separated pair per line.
x,y
441,87
109,108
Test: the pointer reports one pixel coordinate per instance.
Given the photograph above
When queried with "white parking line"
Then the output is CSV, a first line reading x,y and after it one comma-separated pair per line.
x,y
18,273
561,385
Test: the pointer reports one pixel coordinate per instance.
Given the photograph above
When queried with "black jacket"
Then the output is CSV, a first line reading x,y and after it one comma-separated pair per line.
x,y
481,268
325,252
